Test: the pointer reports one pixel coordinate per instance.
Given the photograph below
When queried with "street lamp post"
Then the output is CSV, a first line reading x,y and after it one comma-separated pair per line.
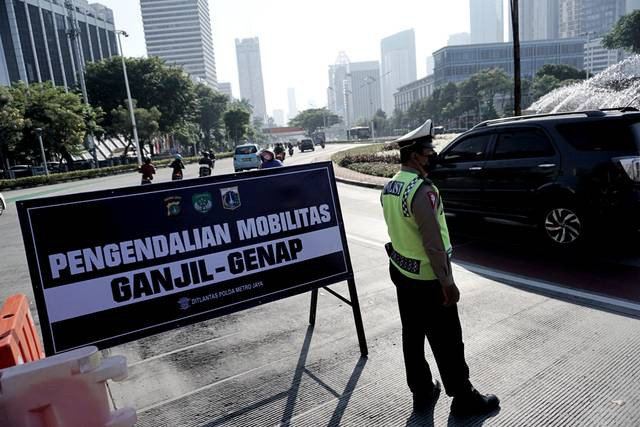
x,y
44,158
126,83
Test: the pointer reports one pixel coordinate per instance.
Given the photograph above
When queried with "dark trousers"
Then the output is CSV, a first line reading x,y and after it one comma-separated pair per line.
x,y
422,314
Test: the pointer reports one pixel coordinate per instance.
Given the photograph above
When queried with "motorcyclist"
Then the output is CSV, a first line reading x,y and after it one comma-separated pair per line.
x,y
206,164
269,160
290,148
279,152
147,170
177,167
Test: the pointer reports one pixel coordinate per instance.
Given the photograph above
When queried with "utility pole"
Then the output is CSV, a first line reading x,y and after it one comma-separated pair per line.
x,y
74,36
131,114
517,87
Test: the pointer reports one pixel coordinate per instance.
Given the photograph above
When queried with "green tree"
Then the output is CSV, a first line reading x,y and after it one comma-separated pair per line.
x,y
147,124
236,122
153,84
11,124
625,34
187,135
561,72
544,84
492,82
63,117
315,118
211,105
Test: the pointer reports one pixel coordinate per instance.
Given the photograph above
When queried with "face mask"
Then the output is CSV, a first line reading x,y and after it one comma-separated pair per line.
x,y
432,160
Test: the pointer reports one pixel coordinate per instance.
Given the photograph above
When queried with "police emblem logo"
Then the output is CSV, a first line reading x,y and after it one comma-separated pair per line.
x,y
230,198
433,199
183,303
173,205
202,202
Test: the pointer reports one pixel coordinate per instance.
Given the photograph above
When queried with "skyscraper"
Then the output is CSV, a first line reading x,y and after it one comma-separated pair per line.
x,y
225,87
34,46
398,55
364,90
278,117
293,109
337,78
458,39
250,75
179,31
538,20
486,21
589,18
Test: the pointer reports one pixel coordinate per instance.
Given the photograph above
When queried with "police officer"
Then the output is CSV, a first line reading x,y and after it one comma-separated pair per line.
x,y
420,268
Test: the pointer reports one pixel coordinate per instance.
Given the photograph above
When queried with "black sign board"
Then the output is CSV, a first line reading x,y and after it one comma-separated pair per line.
x,y
113,266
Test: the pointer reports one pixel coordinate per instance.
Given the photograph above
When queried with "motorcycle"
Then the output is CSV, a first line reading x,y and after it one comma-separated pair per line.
x,y
176,175
291,151
146,181
205,170
322,145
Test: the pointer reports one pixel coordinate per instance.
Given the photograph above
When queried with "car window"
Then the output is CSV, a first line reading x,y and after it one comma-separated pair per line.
x,y
468,150
603,135
246,150
522,144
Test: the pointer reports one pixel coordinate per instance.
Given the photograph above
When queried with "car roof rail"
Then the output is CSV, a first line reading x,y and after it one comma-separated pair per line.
x,y
588,113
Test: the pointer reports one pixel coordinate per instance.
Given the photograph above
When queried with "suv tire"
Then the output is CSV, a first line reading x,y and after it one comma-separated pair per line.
x,y
563,225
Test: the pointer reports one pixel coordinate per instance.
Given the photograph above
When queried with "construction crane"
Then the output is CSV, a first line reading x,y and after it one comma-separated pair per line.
x,y
73,32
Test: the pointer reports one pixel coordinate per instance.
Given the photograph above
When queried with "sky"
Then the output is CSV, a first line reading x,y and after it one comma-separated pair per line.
x,y
299,39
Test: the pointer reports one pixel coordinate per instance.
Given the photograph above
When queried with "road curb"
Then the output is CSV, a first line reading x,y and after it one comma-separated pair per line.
x,y
359,183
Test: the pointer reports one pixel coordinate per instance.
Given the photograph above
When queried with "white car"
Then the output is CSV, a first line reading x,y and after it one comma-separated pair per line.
x,y
3,204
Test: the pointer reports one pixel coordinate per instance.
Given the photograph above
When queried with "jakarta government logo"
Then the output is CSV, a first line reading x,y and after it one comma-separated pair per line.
x,y
230,197
202,202
183,303
173,205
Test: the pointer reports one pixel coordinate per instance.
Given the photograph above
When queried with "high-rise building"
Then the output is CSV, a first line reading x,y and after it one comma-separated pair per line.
x,y
598,59
363,90
429,65
293,109
179,31
225,87
486,21
250,75
538,20
34,46
398,55
278,117
458,63
337,78
458,39
589,18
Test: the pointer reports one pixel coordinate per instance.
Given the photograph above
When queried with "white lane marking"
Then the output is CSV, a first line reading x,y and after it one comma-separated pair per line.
x,y
365,240
555,288
210,385
178,350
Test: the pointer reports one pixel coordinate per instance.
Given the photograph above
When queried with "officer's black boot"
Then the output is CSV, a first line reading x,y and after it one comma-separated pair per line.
x,y
474,403
423,401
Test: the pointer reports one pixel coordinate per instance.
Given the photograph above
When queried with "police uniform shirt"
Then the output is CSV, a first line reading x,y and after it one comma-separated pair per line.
x,y
425,206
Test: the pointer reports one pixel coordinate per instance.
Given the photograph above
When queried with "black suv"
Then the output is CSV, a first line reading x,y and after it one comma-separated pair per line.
x,y
567,173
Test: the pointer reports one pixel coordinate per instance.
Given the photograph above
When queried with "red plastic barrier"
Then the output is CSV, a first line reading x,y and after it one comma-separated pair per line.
x,y
19,340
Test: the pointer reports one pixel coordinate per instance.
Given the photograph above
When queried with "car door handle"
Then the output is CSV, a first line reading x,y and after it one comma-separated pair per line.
x,y
546,165
475,168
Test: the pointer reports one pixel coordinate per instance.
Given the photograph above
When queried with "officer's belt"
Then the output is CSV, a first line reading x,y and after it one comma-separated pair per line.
x,y
407,264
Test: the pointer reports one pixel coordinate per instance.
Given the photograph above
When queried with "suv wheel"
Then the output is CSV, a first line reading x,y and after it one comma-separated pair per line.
x,y
563,225
2,207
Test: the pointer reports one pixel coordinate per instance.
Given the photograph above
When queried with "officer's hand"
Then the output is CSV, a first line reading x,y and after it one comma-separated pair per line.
x,y
451,295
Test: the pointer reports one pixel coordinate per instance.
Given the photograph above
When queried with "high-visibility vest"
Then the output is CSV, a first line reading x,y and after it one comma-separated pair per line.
x,y
408,253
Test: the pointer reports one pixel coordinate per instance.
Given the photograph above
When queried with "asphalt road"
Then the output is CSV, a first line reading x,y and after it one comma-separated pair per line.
x,y
542,353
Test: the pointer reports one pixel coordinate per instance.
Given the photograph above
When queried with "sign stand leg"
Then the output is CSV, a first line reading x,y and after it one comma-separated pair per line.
x,y
357,317
314,304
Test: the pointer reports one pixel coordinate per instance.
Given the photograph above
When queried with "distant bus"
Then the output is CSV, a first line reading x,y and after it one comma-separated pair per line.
x,y
359,132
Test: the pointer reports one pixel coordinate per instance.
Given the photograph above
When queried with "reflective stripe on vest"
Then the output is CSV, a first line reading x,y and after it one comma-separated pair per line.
x,y
406,239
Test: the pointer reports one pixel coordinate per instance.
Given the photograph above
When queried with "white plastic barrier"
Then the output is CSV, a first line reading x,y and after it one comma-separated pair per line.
x,y
65,390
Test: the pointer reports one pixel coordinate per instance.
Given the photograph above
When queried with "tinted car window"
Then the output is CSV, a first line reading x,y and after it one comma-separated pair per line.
x,y
603,135
246,150
522,144
467,150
